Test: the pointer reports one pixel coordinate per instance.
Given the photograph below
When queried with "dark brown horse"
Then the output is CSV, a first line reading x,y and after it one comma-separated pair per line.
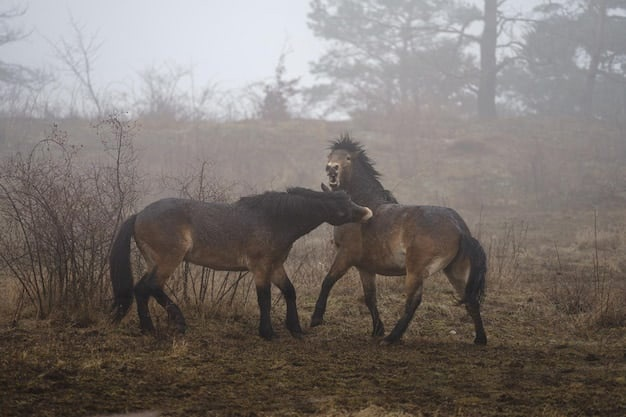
x,y
415,241
256,234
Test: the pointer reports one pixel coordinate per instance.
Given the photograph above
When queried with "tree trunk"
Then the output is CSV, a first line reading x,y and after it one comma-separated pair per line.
x,y
488,65
598,13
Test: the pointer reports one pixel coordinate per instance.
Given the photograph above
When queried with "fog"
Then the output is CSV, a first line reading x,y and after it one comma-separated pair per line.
x,y
225,59
229,42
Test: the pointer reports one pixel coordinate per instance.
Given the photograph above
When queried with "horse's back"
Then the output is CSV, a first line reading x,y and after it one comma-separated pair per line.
x,y
397,218
395,230
203,233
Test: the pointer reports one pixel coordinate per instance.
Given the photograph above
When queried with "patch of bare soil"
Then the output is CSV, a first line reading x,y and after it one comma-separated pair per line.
x,y
222,368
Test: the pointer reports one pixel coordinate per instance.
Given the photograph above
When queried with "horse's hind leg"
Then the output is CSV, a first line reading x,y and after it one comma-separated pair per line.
x,y
368,280
151,285
292,321
161,274
474,311
458,274
174,314
142,295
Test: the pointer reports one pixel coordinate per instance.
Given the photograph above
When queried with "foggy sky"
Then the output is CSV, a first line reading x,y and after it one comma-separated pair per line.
x,y
229,43
232,42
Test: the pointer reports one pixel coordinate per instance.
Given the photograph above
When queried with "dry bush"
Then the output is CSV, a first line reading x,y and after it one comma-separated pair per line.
x,y
596,289
570,292
590,239
505,253
593,294
59,217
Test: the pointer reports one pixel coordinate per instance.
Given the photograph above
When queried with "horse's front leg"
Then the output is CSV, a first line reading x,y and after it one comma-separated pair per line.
x,y
414,289
337,270
263,286
292,321
368,280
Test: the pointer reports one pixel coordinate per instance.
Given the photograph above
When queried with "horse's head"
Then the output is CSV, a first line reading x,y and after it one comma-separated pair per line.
x,y
347,159
338,169
344,210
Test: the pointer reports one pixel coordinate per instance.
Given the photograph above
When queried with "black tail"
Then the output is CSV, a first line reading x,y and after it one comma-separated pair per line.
x,y
120,269
475,286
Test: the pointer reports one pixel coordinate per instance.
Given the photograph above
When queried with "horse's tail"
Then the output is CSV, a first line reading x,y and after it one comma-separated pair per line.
x,y
120,270
475,286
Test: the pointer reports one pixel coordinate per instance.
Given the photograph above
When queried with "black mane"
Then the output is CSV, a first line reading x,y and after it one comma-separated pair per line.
x,y
346,143
298,201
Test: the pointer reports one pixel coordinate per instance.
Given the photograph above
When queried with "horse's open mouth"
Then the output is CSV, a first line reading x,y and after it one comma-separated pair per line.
x,y
332,181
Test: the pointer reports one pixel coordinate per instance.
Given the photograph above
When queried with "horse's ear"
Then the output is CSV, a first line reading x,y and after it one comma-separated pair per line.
x,y
325,188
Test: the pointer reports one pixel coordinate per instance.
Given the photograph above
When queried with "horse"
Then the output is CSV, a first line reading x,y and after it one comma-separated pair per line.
x,y
400,240
253,234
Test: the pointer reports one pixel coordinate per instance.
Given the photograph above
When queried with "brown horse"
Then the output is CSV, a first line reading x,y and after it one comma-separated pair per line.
x,y
415,241
255,233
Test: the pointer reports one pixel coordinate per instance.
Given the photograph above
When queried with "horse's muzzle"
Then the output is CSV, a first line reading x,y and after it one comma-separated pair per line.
x,y
368,215
333,176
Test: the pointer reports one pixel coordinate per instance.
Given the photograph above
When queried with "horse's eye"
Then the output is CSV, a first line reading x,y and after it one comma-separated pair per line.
x,y
348,158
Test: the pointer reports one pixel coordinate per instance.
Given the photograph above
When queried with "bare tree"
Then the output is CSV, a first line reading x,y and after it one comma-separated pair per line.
x,y
20,86
170,92
597,9
498,46
78,56
276,95
11,73
160,93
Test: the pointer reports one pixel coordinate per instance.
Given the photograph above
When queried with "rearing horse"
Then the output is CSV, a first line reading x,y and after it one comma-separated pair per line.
x,y
255,233
416,241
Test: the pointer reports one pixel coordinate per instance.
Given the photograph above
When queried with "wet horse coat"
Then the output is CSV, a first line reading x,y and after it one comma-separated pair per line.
x,y
415,241
256,234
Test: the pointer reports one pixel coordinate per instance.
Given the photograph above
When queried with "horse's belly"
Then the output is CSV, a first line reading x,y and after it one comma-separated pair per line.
x,y
218,259
386,262
391,271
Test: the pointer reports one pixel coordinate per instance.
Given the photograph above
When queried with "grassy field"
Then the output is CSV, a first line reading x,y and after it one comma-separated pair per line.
x,y
546,199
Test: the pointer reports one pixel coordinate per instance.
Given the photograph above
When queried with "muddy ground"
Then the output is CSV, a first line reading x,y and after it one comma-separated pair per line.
x,y
535,364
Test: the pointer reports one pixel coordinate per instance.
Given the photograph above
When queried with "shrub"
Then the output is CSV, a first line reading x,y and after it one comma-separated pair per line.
x,y
59,217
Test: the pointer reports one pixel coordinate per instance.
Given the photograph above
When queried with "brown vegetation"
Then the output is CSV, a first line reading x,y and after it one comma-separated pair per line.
x,y
546,198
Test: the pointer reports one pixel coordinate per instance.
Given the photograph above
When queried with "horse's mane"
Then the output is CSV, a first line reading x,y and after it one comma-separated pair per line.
x,y
295,201
346,143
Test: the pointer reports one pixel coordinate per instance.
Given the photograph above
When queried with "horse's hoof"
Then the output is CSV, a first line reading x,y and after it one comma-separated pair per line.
x,y
268,335
147,332
316,321
295,330
388,341
481,341
378,332
297,335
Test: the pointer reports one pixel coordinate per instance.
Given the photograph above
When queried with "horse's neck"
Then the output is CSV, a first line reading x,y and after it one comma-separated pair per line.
x,y
367,192
296,226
